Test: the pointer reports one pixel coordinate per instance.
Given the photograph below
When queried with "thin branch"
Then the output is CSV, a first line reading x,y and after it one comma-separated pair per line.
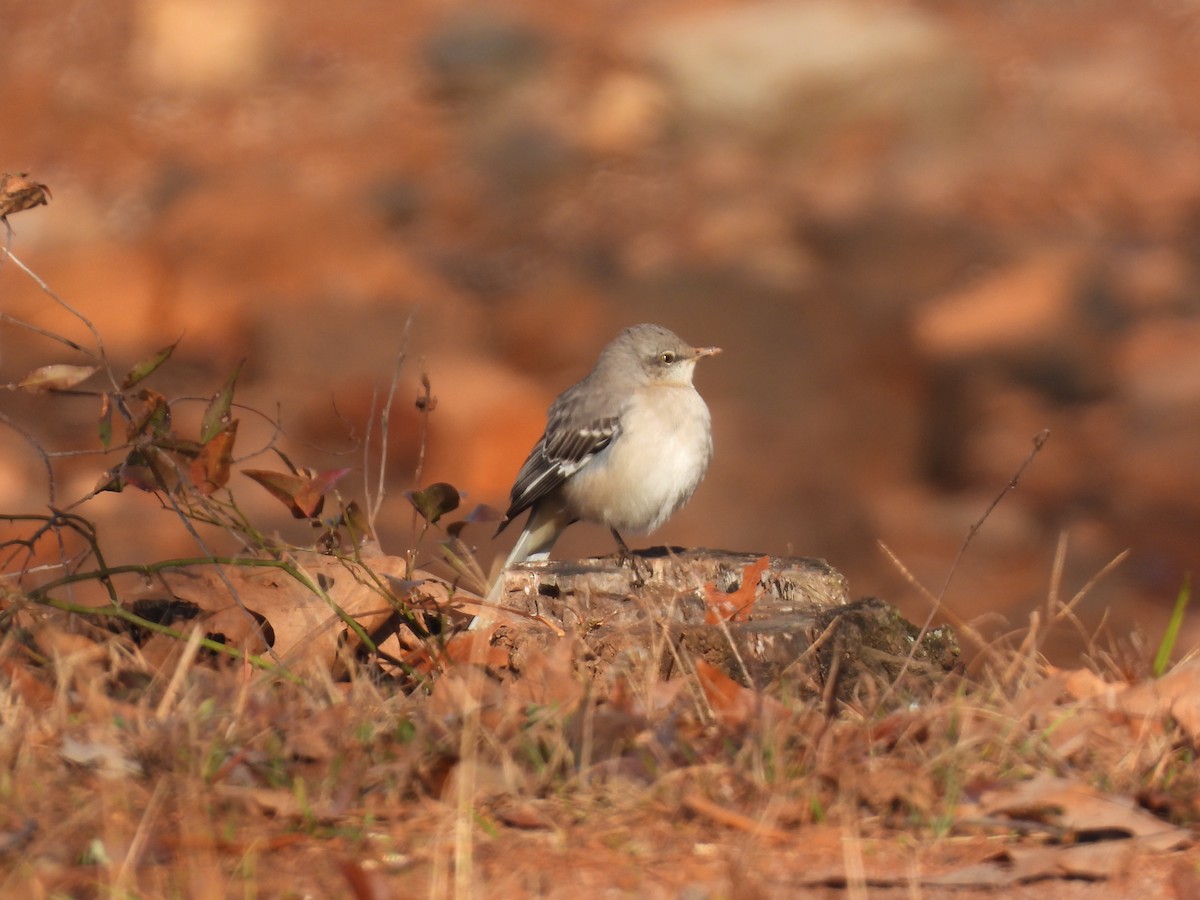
x,y
1039,441
101,355
58,338
41,451
376,502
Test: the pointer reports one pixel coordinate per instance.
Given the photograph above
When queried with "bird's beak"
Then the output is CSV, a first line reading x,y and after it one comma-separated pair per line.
x,y
705,351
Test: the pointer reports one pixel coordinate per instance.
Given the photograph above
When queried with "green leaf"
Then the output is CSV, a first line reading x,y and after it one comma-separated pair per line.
x,y
216,417
434,501
146,366
55,378
356,523
110,481
1162,659
106,421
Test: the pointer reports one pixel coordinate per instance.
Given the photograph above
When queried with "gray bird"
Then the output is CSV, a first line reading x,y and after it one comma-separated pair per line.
x,y
625,447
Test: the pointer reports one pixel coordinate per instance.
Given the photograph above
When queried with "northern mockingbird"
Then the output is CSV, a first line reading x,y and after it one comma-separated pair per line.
x,y
625,447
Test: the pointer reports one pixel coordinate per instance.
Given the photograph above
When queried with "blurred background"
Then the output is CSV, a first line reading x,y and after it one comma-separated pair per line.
x,y
922,232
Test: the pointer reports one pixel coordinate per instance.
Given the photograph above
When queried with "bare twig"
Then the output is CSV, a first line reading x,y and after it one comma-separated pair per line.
x,y
1039,441
374,498
100,353
50,335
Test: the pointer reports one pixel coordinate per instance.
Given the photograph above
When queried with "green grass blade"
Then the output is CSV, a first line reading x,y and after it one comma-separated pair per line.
x,y
1166,646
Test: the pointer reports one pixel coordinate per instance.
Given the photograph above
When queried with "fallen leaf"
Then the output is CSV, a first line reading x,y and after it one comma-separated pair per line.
x,y
1175,694
526,814
732,704
548,679
1080,808
102,756
301,623
702,806
476,647
737,605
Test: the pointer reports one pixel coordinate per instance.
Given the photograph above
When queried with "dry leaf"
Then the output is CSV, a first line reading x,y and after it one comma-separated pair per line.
x,y
548,679
102,756
209,471
732,704
303,494
56,378
1175,694
1077,807
301,624
18,193
526,814
736,606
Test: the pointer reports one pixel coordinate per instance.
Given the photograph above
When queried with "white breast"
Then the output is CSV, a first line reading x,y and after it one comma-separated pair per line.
x,y
653,466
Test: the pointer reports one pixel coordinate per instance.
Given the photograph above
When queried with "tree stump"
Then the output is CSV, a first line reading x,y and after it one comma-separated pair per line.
x,y
796,629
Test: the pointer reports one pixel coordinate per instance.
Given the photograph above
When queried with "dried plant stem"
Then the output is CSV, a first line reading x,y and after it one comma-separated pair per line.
x,y
1039,441
375,496
100,353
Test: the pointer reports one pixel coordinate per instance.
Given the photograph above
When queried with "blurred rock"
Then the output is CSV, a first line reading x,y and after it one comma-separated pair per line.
x,y
1152,280
520,155
624,114
201,44
533,332
1158,370
1009,355
1027,304
798,69
475,55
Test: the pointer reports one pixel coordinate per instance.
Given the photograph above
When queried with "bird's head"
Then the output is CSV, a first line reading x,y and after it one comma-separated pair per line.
x,y
658,353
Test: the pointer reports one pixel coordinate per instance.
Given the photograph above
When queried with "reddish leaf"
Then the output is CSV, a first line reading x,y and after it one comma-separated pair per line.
x,y
149,469
155,418
318,486
55,378
146,366
210,469
304,495
736,606
731,703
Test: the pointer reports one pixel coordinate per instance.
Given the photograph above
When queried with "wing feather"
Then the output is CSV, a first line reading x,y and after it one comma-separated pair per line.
x,y
565,448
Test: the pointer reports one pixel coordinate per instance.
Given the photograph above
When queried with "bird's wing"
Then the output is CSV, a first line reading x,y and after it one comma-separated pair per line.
x,y
568,445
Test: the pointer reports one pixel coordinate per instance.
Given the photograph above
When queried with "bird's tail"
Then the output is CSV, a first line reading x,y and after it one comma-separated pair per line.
x,y
545,523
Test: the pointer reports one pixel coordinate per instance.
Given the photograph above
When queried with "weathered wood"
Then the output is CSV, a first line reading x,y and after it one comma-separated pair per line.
x,y
801,630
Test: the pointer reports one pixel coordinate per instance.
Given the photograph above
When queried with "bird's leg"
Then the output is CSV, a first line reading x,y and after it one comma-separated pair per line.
x,y
626,556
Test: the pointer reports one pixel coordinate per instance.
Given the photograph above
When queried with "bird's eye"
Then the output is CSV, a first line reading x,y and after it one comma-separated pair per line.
x,y
666,357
